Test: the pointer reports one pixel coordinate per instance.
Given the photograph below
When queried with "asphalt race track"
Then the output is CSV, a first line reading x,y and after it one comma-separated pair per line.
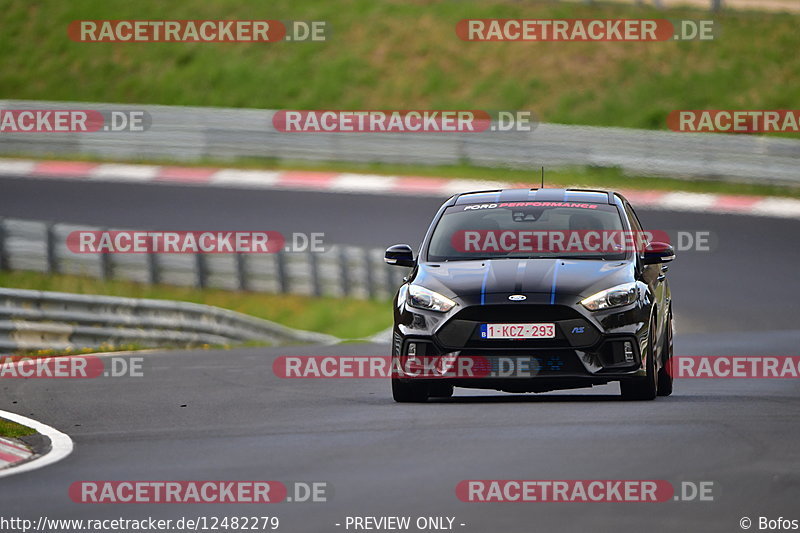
x,y
748,282
224,415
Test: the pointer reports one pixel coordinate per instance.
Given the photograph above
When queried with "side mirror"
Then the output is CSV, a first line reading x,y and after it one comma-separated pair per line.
x,y
658,252
399,255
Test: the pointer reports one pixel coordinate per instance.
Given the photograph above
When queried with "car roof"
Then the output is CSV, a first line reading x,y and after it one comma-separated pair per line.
x,y
538,195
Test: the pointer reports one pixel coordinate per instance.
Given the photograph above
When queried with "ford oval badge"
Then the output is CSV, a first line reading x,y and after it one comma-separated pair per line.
x,y
517,297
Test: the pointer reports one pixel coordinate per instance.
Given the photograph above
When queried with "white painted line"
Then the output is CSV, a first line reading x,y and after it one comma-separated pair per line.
x,y
687,201
114,172
777,207
61,445
10,167
365,183
382,337
261,179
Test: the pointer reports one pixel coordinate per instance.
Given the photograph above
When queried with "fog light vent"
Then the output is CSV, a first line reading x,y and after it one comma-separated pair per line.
x,y
628,348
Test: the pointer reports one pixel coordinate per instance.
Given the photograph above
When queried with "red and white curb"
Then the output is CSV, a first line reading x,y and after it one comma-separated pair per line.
x,y
12,452
369,184
60,447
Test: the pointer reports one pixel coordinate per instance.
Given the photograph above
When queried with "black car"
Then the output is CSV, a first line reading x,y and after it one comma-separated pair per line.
x,y
495,284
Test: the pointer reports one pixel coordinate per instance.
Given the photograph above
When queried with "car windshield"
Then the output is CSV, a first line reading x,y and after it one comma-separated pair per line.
x,y
529,230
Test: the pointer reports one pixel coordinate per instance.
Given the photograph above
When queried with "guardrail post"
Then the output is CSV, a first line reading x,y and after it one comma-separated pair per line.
x,y
50,246
370,274
3,259
202,270
152,269
344,271
283,278
106,268
313,263
241,272
716,5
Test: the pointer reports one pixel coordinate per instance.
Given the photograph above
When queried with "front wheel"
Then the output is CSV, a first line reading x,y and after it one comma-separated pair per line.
x,y
409,392
644,388
665,374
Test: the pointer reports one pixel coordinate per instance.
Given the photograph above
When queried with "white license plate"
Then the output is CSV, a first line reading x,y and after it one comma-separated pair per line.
x,y
518,331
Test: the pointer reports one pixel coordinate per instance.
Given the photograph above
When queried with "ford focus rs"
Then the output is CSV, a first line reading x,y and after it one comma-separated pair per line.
x,y
532,290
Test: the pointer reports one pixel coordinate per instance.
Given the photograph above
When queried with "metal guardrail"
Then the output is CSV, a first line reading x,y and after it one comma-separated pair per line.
x,y
340,271
35,320
196,133
32,320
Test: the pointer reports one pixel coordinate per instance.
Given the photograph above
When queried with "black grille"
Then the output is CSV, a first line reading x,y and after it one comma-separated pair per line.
x,y
462,330
517,313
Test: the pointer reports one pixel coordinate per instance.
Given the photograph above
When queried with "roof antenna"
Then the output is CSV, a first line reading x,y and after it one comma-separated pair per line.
x,y
542,176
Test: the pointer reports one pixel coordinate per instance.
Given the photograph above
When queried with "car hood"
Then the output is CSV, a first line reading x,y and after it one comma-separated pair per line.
x,y
523,276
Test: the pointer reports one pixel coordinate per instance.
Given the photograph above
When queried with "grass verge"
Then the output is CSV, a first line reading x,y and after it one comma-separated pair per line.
x,y
345,318
400,54
13,430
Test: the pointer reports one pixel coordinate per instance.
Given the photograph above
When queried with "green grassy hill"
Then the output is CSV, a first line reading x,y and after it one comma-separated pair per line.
x,y
403,54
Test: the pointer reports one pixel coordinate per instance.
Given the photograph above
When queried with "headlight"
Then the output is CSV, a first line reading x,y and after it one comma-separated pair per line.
x,y
422,298
614,297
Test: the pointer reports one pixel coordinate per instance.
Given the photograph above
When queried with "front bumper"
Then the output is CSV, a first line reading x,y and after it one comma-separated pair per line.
x,y
588,349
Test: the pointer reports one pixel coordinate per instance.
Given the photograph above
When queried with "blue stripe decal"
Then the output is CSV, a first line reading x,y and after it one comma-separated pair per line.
x,y
483,285
521,267
555,266
553,288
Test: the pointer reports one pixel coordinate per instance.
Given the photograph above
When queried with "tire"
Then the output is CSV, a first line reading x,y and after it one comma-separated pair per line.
x,y
666,372
441,390
644,388
409,392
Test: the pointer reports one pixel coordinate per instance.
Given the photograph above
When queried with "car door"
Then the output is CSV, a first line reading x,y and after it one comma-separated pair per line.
x,y
653,275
